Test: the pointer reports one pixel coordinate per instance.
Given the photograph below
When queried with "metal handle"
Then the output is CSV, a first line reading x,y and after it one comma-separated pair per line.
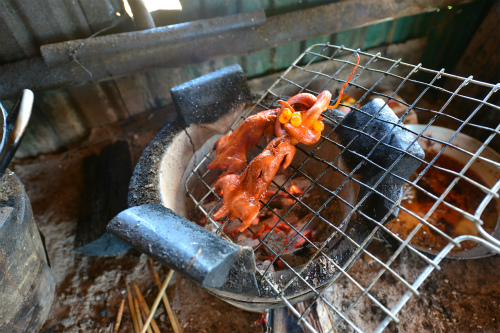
x,y
191,250
14,126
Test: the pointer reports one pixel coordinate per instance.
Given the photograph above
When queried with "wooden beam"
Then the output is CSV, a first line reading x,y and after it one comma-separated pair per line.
x,y
482,57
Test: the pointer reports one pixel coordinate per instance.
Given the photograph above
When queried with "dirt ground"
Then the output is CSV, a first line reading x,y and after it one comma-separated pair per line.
x,y
90,289
464,296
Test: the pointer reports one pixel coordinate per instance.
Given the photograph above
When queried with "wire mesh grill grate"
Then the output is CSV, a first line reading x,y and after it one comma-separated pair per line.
x,y
448,207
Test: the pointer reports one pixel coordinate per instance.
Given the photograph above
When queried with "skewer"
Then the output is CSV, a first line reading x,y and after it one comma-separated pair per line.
x,y
132,310
158,299
145,308
171,314
144,316
142,328
119,316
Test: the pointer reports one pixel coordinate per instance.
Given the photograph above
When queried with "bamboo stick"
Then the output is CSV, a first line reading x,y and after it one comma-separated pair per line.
x,y
171,314
158,298
144,306
119,316
142,328
132,310
144,317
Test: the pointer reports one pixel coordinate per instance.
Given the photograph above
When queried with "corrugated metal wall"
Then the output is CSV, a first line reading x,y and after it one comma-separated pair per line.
x,y
65,116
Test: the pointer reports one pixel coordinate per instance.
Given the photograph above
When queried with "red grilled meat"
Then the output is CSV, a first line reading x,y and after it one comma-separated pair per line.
x,y
241,193
232,148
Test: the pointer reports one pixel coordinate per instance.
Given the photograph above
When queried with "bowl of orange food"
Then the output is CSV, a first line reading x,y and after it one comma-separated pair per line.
x,y
447,153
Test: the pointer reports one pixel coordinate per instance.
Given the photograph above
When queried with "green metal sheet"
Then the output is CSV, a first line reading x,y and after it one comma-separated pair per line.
x,y
286,54
377,34
354,38
451,33
246,5
258,63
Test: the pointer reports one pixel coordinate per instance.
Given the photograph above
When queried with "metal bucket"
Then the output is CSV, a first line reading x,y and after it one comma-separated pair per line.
x,y
27,286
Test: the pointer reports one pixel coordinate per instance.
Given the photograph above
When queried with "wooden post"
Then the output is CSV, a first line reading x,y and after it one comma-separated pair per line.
x,y
107,177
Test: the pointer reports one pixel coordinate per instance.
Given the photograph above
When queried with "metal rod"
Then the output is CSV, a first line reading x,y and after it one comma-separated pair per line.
x,y
16,123
142,17
157,38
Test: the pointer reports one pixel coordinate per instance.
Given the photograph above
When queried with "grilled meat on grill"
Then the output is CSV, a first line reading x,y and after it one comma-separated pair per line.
x,y
232,148
297,120
241,193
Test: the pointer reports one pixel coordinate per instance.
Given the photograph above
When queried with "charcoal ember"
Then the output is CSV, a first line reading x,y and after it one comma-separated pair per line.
x,y
301,183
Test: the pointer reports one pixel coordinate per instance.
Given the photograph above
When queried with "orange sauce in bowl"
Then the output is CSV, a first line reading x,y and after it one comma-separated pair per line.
x,y
451,222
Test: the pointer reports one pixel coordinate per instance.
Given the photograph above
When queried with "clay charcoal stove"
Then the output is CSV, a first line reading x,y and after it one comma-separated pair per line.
x,y
365,175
